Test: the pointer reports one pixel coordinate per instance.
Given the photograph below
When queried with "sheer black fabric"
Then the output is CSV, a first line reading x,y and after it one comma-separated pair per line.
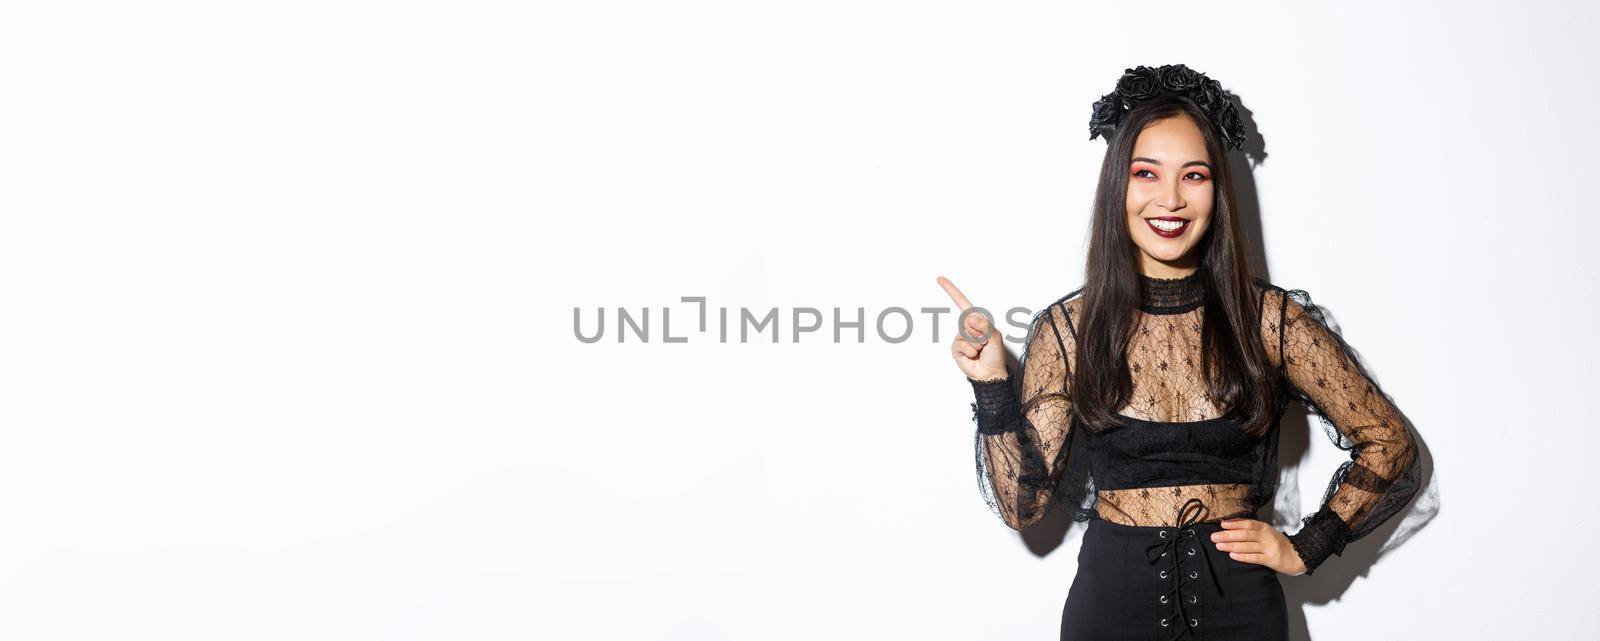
x,y
1173,444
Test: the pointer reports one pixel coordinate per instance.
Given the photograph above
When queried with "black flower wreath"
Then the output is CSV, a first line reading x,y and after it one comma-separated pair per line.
x,y
1143,83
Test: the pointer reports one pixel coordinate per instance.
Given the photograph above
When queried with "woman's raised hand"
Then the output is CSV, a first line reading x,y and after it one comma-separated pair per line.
x,y
984,357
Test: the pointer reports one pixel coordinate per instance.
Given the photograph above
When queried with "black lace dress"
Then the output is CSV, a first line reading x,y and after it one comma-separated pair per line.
x,y
1174,467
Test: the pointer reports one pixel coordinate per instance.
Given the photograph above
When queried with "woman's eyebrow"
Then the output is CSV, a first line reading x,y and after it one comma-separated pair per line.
x,y
1153,161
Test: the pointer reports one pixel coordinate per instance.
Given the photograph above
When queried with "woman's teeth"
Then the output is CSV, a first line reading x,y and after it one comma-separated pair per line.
x,y
1168,225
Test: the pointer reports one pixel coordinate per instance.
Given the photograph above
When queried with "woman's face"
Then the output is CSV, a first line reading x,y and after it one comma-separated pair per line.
x,y
1169,196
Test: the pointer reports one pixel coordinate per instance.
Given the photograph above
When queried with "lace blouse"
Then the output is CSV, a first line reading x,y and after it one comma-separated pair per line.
x,y
1171,443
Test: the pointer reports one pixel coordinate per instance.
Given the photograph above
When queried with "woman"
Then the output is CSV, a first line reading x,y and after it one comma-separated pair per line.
x,y
1149,398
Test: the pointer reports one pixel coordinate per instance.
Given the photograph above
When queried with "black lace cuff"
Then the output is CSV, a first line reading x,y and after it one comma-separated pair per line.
x,y
995,409
1324,533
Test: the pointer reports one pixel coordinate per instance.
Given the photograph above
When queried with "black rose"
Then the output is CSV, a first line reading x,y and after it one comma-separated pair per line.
x,y
1139,83
1232,128
1107,113
1208,95
1142,83
1176,78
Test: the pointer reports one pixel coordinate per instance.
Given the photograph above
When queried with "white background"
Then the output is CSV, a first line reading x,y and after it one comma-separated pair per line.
x,y
288,294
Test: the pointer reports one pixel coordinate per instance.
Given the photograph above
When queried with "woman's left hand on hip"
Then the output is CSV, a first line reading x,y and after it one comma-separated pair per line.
x,y
1254,541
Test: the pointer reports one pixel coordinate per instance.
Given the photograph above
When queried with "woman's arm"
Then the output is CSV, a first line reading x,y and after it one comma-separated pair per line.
x,y
1382,474
1021,432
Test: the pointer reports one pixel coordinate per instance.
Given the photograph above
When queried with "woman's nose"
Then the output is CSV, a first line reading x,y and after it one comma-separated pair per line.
x,y
1171,199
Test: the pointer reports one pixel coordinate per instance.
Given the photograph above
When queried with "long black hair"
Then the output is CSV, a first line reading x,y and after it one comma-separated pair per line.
x,y
1239,377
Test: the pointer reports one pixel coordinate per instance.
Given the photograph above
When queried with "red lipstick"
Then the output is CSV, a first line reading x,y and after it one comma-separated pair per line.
x,y
1183,225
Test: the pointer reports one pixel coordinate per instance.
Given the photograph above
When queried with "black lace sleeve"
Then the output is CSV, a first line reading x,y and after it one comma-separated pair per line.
x,y
1021,433
1382,474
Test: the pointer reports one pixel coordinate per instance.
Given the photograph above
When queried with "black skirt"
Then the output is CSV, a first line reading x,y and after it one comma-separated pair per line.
x,y
1154,583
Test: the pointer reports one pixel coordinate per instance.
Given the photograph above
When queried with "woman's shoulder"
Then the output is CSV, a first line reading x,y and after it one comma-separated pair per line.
x,y
1284,307
1278,298
1068,303
1061,312
1265,286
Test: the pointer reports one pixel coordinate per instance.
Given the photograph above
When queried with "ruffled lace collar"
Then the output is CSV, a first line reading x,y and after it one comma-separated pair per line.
x,y
1171,295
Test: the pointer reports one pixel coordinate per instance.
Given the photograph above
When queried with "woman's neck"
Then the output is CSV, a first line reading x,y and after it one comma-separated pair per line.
x,y
1172,295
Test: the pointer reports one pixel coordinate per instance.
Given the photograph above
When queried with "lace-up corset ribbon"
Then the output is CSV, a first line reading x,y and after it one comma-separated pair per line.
x,y
1182,558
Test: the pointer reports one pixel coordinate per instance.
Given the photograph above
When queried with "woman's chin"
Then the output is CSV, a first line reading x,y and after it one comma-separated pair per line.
x,y
1168,255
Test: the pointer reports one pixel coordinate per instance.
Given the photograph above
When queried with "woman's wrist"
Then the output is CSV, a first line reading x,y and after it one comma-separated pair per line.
x,y
1322,534
994,406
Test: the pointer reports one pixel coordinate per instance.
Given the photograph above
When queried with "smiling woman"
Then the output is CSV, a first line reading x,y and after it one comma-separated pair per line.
x,y
1149,398
1169,196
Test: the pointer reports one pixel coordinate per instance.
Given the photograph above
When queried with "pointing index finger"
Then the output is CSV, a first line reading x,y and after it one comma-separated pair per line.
x,y
955,294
